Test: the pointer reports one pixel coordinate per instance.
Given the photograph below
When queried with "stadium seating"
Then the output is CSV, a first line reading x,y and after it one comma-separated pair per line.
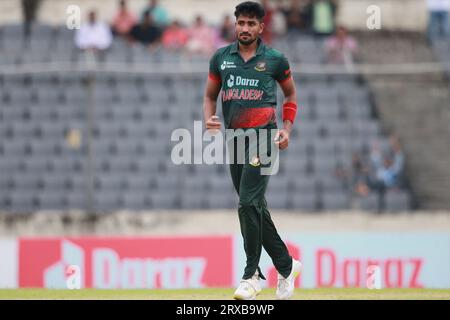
x,y
128,157
441,50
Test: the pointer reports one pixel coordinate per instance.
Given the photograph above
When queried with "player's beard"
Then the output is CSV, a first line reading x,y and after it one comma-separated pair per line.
x,y
247,42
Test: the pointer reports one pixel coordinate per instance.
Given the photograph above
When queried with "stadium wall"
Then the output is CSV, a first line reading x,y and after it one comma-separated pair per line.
x,y
9,257
355,259
396,15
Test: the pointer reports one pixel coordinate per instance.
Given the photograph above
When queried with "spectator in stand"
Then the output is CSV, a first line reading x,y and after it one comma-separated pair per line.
x,y
202,38
357,176
385,174
398,157
93,36
323,16
123,21
388,166
360,175
146,33
387,169
175,37
383,171
159,14
267,20
227,33
438,21
298,17
341,48
29,10
379,175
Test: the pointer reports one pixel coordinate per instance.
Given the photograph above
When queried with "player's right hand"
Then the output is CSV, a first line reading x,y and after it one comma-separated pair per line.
x,y
213,124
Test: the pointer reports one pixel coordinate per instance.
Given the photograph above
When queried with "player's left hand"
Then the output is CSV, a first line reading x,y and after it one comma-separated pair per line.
x,y
282,139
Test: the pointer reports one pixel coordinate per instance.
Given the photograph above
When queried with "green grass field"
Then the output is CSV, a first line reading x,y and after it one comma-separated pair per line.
x,y
224,294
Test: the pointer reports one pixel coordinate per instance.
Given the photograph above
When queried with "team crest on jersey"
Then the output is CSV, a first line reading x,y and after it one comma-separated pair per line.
x,y
255,161
260,66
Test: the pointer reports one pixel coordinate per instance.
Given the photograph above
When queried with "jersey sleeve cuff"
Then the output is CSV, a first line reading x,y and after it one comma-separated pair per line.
x,y
214,77
284,80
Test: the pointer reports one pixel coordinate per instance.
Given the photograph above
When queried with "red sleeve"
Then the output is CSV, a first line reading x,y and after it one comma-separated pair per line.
x,y
214,77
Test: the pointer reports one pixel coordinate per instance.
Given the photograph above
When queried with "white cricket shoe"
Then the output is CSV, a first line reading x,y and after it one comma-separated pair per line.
x,y
285,287
248,289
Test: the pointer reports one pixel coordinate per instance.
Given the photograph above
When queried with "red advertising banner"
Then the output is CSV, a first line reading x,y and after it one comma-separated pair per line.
x,y
166,262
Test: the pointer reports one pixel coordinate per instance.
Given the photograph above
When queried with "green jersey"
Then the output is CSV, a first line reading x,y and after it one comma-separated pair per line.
x,y
248,89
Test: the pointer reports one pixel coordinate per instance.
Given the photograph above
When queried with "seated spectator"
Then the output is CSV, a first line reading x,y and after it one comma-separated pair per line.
x,y
438,22
323,16
388,166
379,176
29,10
398,157
202,38
93,36
146,33
123,21
175,37
227,32
376,156
341,48
267,20
381,172
360,175
385,175
387,169
357,177
298,17
159,14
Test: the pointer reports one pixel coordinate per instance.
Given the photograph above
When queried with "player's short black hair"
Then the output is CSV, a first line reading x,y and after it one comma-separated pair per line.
x,y
250,9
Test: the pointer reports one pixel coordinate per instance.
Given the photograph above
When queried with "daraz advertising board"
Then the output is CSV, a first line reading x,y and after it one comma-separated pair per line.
x,y
365,259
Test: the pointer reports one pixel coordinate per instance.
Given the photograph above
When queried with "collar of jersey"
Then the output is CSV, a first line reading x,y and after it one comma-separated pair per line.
x,y
259,50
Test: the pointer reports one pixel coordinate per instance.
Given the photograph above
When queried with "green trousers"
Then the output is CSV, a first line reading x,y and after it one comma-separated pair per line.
x,y
257,227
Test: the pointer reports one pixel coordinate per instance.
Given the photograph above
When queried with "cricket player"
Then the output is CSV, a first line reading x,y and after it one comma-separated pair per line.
x,y
245,73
